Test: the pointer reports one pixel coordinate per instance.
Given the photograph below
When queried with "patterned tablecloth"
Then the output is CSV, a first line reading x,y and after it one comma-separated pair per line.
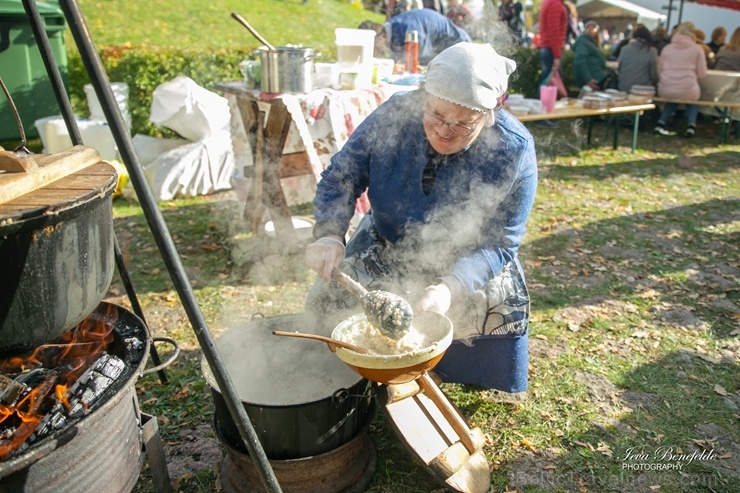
x,y
323,120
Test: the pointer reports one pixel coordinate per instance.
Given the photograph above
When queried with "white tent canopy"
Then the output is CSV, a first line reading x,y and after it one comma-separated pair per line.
x,y
595,9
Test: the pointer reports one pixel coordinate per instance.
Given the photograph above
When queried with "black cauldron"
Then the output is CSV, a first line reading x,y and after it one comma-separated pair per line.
x,y
301,399
56,251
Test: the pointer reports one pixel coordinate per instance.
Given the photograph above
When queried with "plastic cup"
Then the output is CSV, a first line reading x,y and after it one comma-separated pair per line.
x,y
548,96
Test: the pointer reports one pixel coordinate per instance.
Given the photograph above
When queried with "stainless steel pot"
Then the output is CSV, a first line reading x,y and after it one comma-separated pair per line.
x,y
287,69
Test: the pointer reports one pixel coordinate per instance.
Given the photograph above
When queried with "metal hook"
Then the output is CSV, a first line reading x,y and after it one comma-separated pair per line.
x,y
18,122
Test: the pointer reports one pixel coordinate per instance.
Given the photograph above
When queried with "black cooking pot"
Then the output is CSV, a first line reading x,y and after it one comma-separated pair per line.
x,y
301,399
56,257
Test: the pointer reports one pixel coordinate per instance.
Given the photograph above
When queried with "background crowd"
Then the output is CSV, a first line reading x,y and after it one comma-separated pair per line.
x,y
672,63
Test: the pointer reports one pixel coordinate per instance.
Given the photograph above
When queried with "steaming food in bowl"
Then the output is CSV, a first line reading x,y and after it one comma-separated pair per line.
x,y
366,335
404,359
429,334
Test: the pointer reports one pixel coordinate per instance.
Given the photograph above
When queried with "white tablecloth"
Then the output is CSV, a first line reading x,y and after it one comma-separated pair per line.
x,y
323,120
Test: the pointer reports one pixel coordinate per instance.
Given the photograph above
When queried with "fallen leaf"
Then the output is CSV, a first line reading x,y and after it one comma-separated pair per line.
x,y
585,445
604,449
527,443
728,455
721,390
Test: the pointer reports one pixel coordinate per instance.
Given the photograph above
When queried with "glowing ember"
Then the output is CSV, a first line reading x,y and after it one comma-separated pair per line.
x,y
39,383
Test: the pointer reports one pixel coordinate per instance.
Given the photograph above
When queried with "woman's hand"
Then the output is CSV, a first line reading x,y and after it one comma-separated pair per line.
x,y
437,298
324,254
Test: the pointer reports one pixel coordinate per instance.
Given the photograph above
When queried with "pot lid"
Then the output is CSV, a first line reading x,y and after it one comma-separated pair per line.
x,y
435,432
47,185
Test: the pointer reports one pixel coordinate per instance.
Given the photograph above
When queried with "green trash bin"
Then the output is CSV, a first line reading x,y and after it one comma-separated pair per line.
x,y
22,68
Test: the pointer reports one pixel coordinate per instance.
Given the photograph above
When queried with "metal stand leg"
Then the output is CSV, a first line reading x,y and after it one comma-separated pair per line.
x,y
129,287
42,40
165,243
155,454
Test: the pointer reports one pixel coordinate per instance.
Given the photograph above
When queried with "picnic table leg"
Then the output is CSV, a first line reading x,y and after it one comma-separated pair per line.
x,y
725,122
635,128
590,127
615,121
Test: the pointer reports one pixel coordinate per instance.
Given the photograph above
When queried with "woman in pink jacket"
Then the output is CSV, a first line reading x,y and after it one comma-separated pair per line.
x,y
680,66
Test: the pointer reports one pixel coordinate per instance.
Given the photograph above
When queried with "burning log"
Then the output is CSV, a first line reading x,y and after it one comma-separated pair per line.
x,y
93,384
10,390
53,385
80,398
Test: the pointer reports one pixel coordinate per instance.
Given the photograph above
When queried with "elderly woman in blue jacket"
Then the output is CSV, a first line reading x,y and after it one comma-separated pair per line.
x,y
451,180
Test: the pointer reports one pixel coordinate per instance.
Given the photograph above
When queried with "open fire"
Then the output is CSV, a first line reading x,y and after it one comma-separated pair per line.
x,y
44,389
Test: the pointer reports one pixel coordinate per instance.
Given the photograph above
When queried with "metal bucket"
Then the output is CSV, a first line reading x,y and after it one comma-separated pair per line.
x,y
287,69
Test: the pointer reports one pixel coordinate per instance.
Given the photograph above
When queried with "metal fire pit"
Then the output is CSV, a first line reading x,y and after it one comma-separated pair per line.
x,y
102,451
346,469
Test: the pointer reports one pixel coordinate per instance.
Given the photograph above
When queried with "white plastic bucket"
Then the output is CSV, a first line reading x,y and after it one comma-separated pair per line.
x,y
120,93
355,57
354,46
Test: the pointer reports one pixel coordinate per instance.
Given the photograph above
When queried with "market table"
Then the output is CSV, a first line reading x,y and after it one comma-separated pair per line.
x,y
282,143
576,110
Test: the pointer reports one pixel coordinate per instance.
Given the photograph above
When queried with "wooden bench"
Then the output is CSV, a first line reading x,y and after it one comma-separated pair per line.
x,y
576,111
724,110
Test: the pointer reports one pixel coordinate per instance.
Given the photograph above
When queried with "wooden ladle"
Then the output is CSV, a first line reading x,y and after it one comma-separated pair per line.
x,y
332,343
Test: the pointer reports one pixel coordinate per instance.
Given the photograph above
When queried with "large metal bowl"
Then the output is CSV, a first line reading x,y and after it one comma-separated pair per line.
x,y
398,368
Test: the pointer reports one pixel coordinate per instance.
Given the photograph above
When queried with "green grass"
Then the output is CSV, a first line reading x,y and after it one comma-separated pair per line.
x,y
209,25
632,263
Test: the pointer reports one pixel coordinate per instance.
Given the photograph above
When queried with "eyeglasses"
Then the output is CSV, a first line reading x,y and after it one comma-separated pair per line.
x,y
456,128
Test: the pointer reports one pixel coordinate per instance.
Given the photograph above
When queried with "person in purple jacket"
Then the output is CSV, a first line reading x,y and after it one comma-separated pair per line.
x,y
451,178
436,33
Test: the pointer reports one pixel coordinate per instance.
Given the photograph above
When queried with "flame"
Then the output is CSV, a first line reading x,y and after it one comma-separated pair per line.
x,y
26,425
68,357
91,336
61,392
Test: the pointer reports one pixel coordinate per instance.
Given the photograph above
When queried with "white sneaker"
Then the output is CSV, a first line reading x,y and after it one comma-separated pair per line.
x,y
660,129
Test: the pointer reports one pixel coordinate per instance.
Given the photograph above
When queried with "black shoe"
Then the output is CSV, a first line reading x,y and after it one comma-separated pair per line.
x,y
690,132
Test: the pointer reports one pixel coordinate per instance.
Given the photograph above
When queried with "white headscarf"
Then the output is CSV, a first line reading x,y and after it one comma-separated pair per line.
x,y
469,74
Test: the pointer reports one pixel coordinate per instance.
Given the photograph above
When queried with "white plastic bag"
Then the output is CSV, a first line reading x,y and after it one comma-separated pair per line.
x,y
189,109
177,168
